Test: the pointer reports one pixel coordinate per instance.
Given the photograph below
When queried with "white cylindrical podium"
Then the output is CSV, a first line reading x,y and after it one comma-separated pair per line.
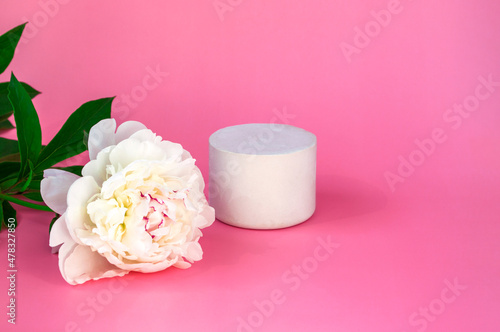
x,y
262,176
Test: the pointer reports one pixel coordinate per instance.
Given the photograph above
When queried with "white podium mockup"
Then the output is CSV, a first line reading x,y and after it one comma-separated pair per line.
x,y
262,176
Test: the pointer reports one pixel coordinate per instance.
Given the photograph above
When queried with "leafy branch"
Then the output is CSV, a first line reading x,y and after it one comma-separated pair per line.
x,y
22,162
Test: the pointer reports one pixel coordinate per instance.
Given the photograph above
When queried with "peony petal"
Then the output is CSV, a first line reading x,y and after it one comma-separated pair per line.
x,y
146,135
194,252
121,156
78,219
186,155
81,264
54,188
142,266
59,233
205,218
101,135
126,129
81,191
198,180
97,167
209,214
174,151
182,264
64,251
78,196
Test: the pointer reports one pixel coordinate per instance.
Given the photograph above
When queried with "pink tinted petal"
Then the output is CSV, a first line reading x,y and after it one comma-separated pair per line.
x,y
205,218
54,188
82,264
182,265
208,214
59,233
126,129
64,251
101,135
194,252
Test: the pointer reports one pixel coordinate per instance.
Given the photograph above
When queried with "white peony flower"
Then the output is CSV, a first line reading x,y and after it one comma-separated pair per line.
x,y
139,206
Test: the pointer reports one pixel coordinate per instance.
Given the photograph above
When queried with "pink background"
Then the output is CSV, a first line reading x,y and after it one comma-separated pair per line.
x,y
400,246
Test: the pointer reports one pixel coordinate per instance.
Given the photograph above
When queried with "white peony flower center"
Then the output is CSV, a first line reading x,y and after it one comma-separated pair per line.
x,y
142,214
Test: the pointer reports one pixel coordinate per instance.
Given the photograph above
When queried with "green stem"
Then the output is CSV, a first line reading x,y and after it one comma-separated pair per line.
x,y
24,203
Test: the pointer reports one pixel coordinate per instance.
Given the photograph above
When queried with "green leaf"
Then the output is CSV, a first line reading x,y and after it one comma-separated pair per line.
x,y
9,212
8,183
35,196
36,181
69,141
9,170
30,176
1,214
76,169
35,184
16,157
6,125
6,113
29,133
5,106
32,185
13,155
8,44
8,146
